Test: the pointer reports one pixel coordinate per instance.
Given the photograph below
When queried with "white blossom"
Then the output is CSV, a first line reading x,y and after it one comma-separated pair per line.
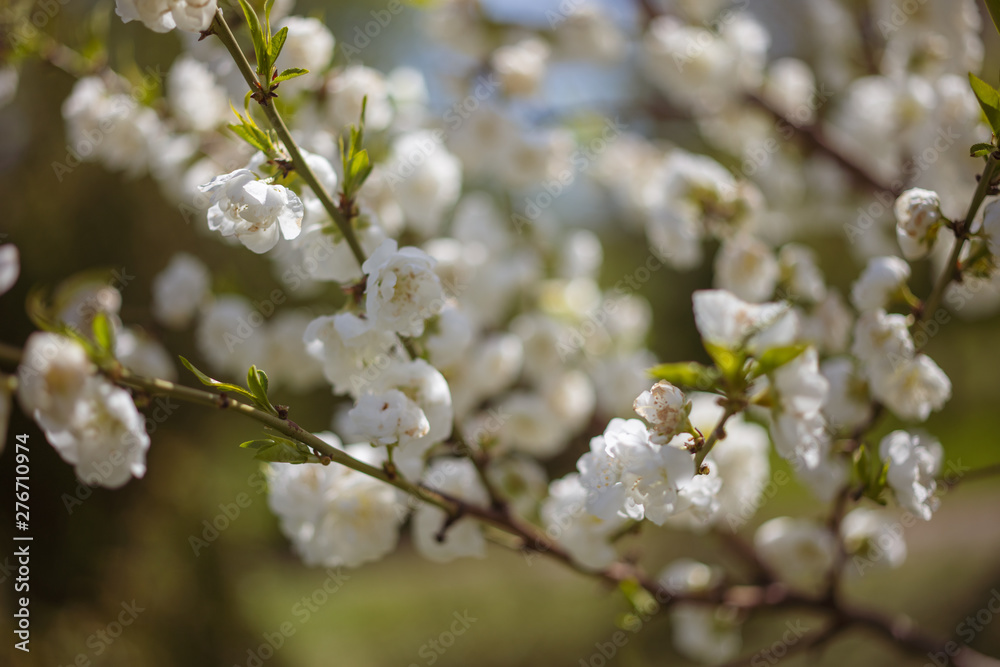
x,y
110,126
348,88
333,515
847,404
746,267
180,290
196,100
800,273
729,322
229,334
799,551
143,355
912,388
701,632
10,266
880,338
165,15
106,439
626,473
424,178
874,537
567,522
426,390
309,45
462,539
879,283
521,66
51,379
386,417
253,211
914,461
799,429
665,407
918,216
351,351
403,290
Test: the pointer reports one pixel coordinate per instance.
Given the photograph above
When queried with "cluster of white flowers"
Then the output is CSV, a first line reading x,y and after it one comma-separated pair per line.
x,y
93,424
492,333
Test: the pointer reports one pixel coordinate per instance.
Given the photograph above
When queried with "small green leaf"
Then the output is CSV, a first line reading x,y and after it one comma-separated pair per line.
x,y
989,101
210,382
104,334
777,357
257,384
994,8
686,374
727,361
257,36
277,42
979,150
280,450
250,137
290,73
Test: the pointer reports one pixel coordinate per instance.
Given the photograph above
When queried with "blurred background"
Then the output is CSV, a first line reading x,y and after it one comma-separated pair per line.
x,y
221,602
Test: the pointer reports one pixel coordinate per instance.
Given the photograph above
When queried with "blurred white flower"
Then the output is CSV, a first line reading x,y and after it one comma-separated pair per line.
x,y
914,462
880,283
180,290
799,551
462,539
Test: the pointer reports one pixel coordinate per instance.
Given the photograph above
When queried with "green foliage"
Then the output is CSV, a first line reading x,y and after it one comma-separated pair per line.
x,y
980,150
249,131
275,449
994,8
256,381
775,358
267,47
354,158
989,101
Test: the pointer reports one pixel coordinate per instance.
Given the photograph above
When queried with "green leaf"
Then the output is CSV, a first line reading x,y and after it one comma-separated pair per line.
x,y
210,382
989,100
777,357
257,36
250,137
994,8
277,42
686,374
290,73
726,360
280,450
104,334
979,150
257,384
